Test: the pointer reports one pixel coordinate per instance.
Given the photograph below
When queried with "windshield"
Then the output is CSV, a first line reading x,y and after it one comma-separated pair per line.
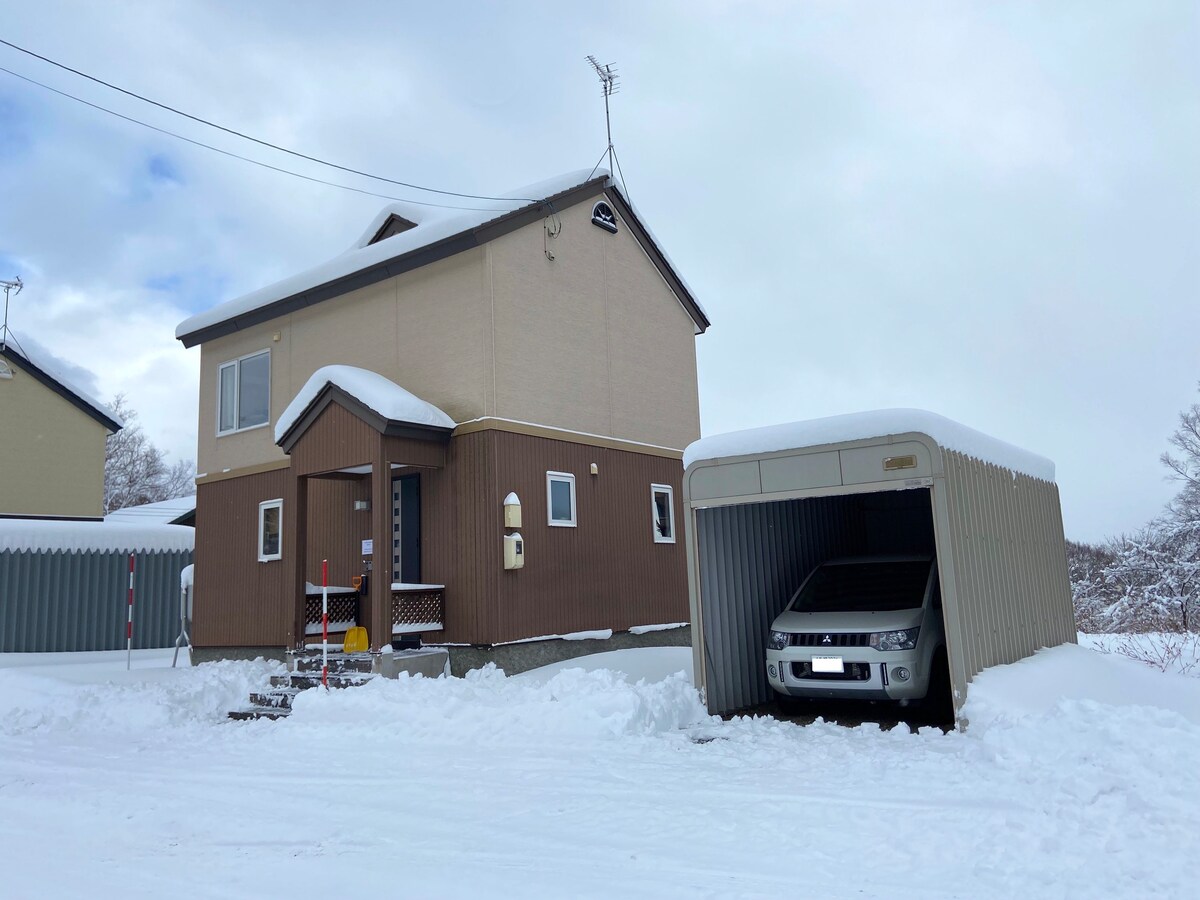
x,y
863,587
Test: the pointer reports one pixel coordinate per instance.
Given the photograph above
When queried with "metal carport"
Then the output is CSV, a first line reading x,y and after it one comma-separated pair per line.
x,y
763,507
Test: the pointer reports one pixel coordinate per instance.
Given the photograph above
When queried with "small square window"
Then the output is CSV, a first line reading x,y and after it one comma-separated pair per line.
x,y
270,530
662,513
560,499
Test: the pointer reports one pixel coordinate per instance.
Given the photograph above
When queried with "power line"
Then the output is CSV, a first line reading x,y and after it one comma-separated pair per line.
x,y
230,153
247,137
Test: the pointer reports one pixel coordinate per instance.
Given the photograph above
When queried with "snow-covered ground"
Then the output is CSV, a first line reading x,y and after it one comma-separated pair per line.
x,y
1078,777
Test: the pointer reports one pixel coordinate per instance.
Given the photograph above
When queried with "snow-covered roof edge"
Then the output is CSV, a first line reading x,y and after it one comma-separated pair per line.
x,y
867,425
432,228
53,377
48,536
371,389
163,512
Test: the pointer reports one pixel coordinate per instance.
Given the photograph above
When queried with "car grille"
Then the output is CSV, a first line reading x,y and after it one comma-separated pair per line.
x,y
818,639
854,672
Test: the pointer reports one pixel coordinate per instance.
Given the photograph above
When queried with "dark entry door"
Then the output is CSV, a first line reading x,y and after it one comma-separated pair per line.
x,y
406,529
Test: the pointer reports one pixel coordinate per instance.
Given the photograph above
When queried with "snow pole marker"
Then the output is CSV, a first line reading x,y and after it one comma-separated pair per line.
x,y
325,624
129,621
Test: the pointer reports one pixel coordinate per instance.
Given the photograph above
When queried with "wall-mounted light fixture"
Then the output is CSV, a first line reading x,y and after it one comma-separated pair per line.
x,y
362,505
595,469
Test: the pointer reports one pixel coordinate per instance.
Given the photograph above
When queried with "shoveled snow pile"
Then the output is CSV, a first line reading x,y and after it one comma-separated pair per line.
x,y
1079,776
46,535
867,425
370,388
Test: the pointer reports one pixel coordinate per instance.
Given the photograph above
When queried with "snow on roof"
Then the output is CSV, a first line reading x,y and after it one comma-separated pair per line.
x,y
53,368
49,535
432,226
371,389
864,426
164,512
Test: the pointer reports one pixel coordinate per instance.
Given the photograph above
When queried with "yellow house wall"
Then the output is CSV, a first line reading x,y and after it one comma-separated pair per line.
x,y
51,453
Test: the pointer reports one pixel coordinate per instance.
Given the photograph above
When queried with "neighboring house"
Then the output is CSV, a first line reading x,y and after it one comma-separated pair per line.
x,y
387,408
52,452
178,511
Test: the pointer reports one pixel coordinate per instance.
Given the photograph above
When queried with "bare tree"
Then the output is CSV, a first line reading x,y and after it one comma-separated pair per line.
x,y
1185,466
135,471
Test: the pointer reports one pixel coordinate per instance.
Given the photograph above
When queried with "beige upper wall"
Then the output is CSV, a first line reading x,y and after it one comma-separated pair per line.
x,y
52,454
592,341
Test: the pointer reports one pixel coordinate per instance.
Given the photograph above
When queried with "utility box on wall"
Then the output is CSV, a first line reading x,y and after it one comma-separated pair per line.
x,y
512,511
514,551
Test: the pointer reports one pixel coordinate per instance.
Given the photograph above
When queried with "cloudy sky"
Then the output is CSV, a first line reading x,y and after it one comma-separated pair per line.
x,y
987,210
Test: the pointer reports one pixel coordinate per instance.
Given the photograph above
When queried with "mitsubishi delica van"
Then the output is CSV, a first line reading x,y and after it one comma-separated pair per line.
x,y
865,628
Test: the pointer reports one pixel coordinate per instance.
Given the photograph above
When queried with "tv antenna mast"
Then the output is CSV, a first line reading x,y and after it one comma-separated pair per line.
x,y
608,86
11,289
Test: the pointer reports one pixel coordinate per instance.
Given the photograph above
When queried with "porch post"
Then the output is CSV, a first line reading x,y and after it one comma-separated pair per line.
x,y
295,539
380,625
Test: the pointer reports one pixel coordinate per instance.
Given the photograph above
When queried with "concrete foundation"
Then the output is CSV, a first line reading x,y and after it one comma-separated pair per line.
x,y
514,658
212,654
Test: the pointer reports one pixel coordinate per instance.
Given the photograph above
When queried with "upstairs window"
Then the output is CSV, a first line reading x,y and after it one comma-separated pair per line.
x,y
244,393
270,530
662,513
560,499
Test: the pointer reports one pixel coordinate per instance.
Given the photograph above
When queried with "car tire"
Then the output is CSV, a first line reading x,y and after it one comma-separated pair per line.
x,y
938,705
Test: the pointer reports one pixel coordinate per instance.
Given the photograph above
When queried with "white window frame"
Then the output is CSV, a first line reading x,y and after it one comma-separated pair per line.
x,y
568,478
670,492
236,365
262,509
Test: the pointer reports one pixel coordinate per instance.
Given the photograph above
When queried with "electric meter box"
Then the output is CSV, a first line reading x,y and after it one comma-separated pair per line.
x,y
514,551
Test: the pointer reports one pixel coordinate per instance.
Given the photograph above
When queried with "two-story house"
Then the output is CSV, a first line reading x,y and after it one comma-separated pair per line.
x,y
392,407
52,454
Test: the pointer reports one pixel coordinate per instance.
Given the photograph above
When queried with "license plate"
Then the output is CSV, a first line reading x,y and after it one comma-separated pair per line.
x,y
828,664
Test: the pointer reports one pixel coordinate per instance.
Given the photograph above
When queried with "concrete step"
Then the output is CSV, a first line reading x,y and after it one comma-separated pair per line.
x,y
338,663
259,712
305,680
280,699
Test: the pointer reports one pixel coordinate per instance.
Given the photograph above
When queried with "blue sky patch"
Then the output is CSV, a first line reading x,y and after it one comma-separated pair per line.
x,y
162,168
194,289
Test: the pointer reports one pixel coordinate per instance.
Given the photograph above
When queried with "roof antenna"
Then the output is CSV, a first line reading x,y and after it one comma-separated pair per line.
x,y
11,289
608,85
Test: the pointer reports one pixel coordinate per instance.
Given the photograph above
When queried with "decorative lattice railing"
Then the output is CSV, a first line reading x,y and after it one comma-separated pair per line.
x,y
418,609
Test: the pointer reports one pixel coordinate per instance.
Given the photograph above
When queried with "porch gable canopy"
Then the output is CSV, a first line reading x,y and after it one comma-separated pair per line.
x,y
378,401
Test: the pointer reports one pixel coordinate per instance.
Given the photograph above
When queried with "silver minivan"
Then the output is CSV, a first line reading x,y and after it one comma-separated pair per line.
x,y
865,628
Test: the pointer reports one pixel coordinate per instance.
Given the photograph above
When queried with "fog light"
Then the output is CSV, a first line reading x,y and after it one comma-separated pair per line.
x,y
771,671
900,673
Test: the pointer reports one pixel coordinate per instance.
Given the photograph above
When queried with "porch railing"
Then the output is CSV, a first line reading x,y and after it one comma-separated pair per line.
x,y
343,612
417,608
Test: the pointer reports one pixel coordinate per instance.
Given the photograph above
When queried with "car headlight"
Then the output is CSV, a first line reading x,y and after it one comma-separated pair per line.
x,y
895,640
779,639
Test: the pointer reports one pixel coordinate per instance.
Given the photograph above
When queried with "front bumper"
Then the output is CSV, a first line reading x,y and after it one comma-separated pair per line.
x,y
869,674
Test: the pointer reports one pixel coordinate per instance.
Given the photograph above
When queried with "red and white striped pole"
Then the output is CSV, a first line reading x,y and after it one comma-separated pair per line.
x,y
129,621
324,623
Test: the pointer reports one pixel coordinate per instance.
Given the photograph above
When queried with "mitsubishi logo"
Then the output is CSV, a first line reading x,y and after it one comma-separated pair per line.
x,y
828,639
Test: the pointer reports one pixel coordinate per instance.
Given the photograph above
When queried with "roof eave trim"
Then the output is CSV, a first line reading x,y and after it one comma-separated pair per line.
x,y
398,265
62,390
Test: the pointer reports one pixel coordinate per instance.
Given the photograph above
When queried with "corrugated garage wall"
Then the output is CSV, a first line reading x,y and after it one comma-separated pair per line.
x,y
1009,564
752,557
56,601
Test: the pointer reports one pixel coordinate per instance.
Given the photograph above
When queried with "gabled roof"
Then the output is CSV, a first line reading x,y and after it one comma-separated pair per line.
x,y
381,403
44,368
388,248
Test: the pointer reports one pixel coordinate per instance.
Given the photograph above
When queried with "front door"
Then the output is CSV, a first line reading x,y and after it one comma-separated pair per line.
x,y
406,529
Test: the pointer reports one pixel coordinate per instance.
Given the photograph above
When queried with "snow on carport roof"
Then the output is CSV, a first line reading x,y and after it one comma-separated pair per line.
x,y
51,535
864,426
371,389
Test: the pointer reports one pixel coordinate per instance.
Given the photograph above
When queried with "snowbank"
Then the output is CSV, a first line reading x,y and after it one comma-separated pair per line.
x,y
370,388
867,425
648,664
45,535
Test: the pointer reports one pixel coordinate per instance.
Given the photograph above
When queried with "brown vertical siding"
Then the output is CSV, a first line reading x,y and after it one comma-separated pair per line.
x,y
238,600
335,530
464,551
338,439
607,572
